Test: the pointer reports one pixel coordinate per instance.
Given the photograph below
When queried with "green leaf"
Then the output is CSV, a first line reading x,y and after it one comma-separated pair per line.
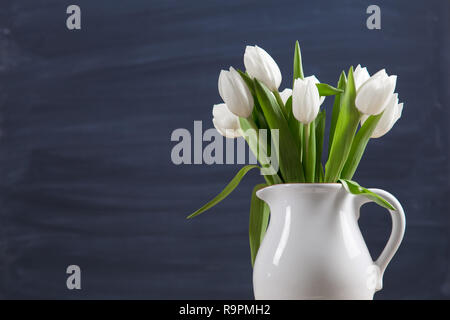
x,y
248,81
298,68
257,113
290,162
261,123
346,126
320,134
327,90
259,116
288,107
359,145
321,178
259,219
280,103
336,107
354,188
226,191
260,151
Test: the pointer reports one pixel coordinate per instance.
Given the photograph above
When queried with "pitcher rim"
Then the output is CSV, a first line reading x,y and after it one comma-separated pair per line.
x,y
307,185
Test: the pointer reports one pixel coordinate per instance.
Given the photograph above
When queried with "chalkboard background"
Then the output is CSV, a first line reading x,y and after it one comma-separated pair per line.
x,y
86,117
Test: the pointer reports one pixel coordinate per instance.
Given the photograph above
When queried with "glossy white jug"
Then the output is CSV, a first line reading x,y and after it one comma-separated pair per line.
x,y
313,248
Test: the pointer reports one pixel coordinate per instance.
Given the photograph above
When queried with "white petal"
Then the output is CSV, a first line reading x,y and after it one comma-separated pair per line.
x,y
305,100
225,121
285,94
218,128
372,97
393,82
312,78
364,117
399,111
389,117
260,65
235,93
381,72
221,83
360,75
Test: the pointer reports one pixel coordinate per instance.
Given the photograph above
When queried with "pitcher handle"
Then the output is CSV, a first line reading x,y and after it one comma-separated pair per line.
x,y
396,237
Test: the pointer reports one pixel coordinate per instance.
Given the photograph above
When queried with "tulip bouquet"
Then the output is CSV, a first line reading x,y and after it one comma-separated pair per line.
x,y
364,107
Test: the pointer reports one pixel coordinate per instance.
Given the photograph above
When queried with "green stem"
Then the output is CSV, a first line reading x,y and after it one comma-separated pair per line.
x,y
302,141
305,138
309,136
262,150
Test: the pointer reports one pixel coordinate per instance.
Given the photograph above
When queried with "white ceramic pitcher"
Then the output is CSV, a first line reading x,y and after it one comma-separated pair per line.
x,y
313,248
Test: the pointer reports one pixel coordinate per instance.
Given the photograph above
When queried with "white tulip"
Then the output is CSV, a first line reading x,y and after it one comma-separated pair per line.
x,y
305,100
391,114
360,75
235,93
260,65
225,121
316,81
373,95
285,94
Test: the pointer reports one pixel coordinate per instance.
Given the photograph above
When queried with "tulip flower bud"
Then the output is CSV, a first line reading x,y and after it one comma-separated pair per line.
x,y
235,93
305,100
225,121
374,94
360,75
391,114
316,81
260,65
285,94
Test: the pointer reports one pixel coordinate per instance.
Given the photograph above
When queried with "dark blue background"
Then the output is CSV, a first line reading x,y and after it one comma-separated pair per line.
x,y
86,117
